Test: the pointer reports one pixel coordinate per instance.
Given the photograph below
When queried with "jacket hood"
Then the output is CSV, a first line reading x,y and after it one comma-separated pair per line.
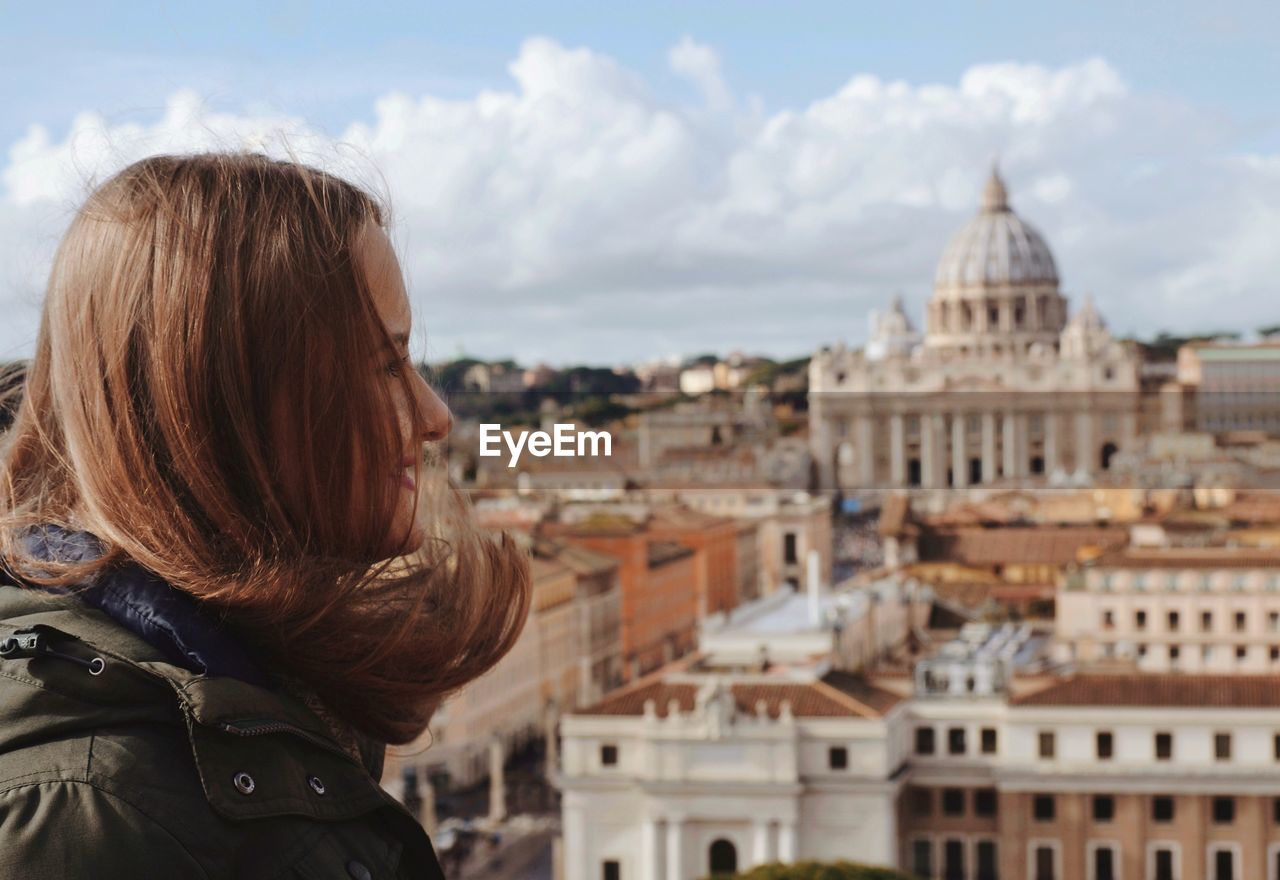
x,y
140,652
165,617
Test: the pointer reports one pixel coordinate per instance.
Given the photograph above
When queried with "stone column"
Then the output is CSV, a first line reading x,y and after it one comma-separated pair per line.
x,y
761,850
497,784
897,450
1010,428
821,443
675,849
1084,442
1051,454
988,447
650,854
787,841
575,844
428,813
550,722
866,452
928,452
959,461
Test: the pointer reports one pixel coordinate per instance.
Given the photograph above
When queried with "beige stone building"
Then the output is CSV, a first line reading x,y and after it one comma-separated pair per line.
x,y
1174,609
1001,386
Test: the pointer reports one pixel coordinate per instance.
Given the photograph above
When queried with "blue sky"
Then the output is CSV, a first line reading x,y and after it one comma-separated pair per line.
x,y
1185,86
1225,54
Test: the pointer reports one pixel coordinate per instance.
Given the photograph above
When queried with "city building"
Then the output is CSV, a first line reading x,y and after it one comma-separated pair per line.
x,y
1167,609
1001,386
737,757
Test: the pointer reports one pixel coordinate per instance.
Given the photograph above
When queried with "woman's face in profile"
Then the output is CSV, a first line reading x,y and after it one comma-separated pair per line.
x,y
392,304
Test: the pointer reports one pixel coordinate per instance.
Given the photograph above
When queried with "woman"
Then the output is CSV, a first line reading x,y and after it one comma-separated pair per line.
x,y
236,570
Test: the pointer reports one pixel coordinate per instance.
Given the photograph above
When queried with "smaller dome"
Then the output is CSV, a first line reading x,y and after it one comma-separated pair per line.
x,y
997,247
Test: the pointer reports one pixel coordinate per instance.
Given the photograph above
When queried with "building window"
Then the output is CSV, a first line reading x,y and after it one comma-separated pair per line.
x,y
1047,744
1162,809
1224,810
1042,807
953,801
1241,652
1241,621
1104,808
953,860
1163,867
984,802
611,870
989,740
1273,621
1140,620
1045,863
922,858
1224,865
1206,621
924,740
1222,746
838,758
987,869
723,856
1106,745
1174,621
1174,653
1275,745
789,555
609,755
1275,810
955,741
1164,746
921,801
1108,620
1104,863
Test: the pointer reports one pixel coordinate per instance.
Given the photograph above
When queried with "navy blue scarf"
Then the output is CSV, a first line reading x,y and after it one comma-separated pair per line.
x,y
143,603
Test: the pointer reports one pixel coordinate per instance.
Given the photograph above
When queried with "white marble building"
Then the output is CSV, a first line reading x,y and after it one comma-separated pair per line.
x,y
1001,386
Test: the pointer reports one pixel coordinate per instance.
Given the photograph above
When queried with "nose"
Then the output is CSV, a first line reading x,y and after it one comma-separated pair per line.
x,y
437,421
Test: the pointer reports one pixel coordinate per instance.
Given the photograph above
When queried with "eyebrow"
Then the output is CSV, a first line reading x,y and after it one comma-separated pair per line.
x,y
400,339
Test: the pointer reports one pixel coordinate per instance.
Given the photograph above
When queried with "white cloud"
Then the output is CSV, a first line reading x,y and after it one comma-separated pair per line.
x,y
701,64
578,190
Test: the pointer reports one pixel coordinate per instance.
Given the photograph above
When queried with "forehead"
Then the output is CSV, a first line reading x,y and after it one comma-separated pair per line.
x,y
385,279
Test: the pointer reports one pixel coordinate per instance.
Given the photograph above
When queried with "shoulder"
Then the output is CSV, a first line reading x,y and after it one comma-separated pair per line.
x,y
56,827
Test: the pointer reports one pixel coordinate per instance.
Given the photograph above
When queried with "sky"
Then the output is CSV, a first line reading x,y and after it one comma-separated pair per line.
x,y
614,183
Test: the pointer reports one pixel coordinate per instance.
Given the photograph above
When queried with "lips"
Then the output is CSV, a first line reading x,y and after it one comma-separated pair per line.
x,y
409,465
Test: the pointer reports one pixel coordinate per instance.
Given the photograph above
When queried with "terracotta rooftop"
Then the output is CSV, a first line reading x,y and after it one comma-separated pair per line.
x,y
1051,545
662,552
1148,690
1191,557
895,517
581,559
837,695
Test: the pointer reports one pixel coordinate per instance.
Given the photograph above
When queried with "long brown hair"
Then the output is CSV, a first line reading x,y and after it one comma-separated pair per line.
x,y
207,322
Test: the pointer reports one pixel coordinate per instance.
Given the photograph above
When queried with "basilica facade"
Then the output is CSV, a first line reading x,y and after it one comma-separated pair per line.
x,y
1004,386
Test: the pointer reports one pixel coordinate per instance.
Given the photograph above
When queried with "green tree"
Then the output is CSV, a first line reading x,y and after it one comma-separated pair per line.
x,y
840,870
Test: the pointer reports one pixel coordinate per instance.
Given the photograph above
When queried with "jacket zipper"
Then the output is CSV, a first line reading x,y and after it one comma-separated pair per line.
x,y
255,729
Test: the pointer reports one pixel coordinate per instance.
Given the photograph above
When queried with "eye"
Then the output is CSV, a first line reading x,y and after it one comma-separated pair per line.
x,y
396,367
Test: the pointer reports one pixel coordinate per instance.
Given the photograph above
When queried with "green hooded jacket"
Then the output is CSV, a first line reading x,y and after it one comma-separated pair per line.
x,y
116,762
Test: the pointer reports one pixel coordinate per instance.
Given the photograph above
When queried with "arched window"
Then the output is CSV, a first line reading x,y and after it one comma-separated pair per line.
x,y
1108,450
724,858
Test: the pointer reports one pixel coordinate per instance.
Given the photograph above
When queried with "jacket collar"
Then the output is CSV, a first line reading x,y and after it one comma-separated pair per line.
x,y
219,685
167,618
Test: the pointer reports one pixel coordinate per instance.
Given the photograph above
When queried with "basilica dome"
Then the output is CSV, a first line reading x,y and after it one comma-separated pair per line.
x,y
996,248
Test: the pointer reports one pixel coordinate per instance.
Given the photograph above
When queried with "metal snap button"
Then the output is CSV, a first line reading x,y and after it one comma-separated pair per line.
x,y
243,782
358,871
316,785
96,665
